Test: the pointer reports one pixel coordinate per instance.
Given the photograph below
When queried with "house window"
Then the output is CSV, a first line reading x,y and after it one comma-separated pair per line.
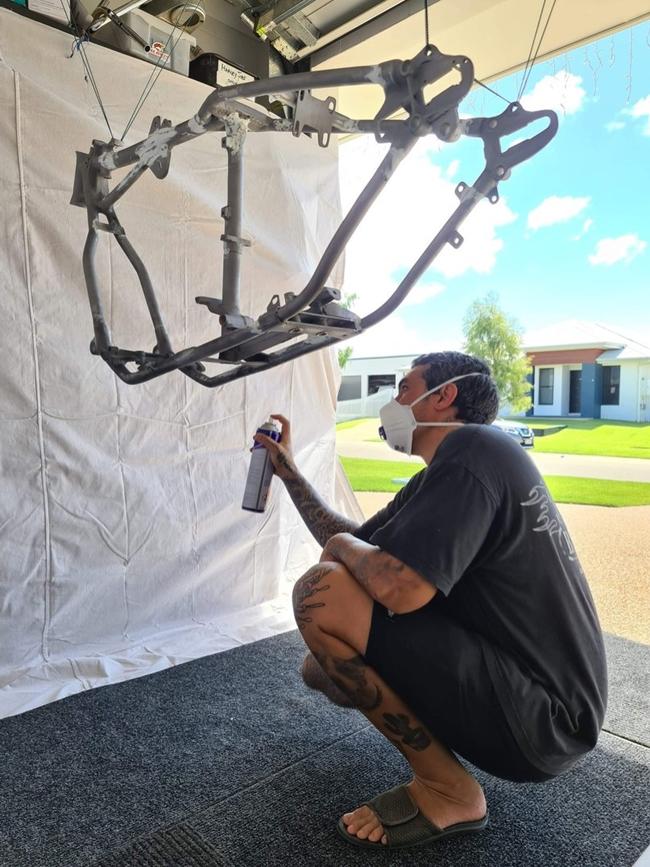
x,y
611,385
350,388
546,386
380,380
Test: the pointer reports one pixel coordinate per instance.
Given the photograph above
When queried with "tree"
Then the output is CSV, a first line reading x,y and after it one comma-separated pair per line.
x,y
344,356
345,353
495,337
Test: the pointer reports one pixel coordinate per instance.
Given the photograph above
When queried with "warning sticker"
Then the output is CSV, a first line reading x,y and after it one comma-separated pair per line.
x,y
158,50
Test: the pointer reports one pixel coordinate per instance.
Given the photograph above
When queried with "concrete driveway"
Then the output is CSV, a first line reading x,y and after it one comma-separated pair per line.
x,y
350,444
592,466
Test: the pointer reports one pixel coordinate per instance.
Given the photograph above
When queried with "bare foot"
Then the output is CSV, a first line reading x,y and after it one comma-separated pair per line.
x,y
315,678
440,808
364,824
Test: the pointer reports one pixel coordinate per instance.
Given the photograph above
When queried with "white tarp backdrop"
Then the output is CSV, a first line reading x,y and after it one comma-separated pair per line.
x,y
123,546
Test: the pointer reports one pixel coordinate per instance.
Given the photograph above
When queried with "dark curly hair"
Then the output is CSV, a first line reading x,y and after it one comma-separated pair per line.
x,y
477,401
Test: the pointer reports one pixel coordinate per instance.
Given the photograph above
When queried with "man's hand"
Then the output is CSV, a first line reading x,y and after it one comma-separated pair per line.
x,y
385,578
280,453
322,521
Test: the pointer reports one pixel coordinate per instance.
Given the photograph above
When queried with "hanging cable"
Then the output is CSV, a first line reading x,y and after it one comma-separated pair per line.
x,y
539,45
492,91
155,72
530,52
95,87
79,46
427,43
149,86
541,39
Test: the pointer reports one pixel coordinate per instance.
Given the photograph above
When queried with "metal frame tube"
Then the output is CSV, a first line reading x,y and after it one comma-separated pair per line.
x,y
164,346
107,202
102,334
382,74
312,309
343,234
232,213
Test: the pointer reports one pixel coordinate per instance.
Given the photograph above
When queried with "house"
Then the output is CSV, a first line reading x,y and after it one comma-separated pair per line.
x,y
580,369
588,370
368,383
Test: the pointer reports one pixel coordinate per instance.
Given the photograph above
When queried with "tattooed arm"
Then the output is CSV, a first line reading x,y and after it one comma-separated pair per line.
x,y
321,521
385,578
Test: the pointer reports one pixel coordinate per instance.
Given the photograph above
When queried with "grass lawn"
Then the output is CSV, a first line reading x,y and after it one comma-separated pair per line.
x,y
369,475
346,425
616,439
598,492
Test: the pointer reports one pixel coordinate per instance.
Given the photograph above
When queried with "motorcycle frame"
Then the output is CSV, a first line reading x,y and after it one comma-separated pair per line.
x,y
313,314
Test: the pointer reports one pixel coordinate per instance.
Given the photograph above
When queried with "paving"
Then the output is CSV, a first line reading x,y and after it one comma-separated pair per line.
x,y
592,466
585,466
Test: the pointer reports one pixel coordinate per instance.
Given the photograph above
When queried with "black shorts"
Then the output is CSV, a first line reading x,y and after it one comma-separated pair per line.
x,y
438,669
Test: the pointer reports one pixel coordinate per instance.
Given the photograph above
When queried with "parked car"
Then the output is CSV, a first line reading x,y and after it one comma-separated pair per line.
x,y
521,432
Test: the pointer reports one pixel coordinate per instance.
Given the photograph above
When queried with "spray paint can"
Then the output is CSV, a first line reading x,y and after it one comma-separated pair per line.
x,y
260,471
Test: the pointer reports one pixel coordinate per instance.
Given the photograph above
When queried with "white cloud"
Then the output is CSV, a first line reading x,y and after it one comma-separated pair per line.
x,y
392,336
641,109
421,292
588,223
614,125
556,209
612,250
453,167
403,221
561,92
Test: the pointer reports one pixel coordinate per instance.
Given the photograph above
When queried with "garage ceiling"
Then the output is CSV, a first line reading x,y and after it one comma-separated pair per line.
x,y
495,34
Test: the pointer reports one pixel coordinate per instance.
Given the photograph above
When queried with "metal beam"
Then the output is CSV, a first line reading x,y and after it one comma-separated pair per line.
x,y
358,30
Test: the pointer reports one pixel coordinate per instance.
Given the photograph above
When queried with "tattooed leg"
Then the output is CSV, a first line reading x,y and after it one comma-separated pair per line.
x,y
334,614
306,592
315,678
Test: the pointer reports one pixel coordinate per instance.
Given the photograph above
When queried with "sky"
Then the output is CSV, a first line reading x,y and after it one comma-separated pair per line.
x,y
569,237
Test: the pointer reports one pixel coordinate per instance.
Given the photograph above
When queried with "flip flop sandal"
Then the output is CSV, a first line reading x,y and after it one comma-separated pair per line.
x,y
404,824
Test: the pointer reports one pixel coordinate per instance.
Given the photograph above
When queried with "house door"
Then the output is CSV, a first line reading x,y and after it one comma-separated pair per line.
x,y
644,394
575,382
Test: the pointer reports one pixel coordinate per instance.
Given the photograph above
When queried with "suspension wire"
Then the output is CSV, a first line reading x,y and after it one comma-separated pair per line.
x,y
530,52
539,45
541,39
79,46
158,68
492,91
86,62
426,24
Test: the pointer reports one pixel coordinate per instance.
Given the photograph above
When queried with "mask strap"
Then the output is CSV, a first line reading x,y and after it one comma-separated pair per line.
x,y
442,385
440,424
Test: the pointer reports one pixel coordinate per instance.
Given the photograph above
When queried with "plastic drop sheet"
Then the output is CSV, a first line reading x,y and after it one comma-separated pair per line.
x,y
123,545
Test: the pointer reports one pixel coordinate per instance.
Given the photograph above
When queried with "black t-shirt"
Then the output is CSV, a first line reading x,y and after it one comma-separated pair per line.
x,y
480,524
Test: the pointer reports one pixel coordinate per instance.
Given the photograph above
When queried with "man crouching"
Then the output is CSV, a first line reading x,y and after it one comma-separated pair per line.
x,y
458,619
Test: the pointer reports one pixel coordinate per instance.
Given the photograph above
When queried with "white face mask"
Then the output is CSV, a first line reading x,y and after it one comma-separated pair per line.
x,y
398,422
